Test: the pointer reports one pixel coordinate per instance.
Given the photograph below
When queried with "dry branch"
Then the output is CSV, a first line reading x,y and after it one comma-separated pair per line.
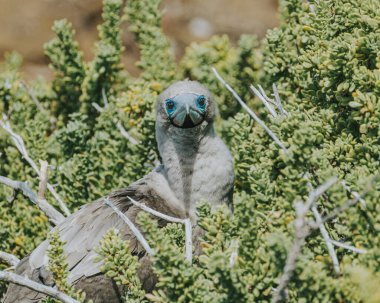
x,y
302,230
340,209
43,180
54,216
125,134
353,193
33,97
186,222
9,259
250,112
49,291
326,237
264,99
131,226
19,143
348,247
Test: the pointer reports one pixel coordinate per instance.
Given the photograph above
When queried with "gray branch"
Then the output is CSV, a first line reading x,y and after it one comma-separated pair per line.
x,y
302,230
125,134
54,216
19,143
33,97
250,112
326,237
49,291
263,99
353,193
348,247
186,222
9,258
131,226
278,101
349,203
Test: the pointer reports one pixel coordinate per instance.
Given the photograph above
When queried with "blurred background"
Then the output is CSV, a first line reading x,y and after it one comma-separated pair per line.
x,y
26,25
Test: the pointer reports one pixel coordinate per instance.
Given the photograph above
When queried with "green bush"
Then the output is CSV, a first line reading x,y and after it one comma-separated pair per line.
x,y
325,60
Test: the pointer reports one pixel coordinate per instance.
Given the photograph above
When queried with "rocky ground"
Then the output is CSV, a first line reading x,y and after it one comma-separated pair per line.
x,y
26,25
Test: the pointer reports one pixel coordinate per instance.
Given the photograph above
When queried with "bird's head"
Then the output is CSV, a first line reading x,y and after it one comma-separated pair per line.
x,y
185,105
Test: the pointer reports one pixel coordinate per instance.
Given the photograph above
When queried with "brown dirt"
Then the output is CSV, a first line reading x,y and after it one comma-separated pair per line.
x,y
26,25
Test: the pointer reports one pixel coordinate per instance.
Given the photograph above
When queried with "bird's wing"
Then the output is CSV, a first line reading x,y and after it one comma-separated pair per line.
x,y
83,230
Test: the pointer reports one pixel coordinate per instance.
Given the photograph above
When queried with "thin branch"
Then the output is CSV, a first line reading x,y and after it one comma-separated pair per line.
x,y
189,241
46,290
326,237
19,142
250,112
125,134
131,226
278,101
353,193
156,213
348,247
234,251
9,259
314,194
33,97
43,180
340,209
264,100
302,230
186,222
322,229
262,91
54,216
104,96
97,107
122,130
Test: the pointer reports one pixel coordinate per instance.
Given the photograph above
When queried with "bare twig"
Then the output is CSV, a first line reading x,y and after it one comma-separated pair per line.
x,y
43,180
131,226
250,112
348,247
326,237
122,130
186,222
19,143
53,215
33,97
104,96
264,100
278,101
9,259
189,241
49,291
340,209
302,230
234,251
353,193
97,107
262,91
125,134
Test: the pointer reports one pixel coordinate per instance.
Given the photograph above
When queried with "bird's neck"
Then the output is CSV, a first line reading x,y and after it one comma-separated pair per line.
x,y
179,151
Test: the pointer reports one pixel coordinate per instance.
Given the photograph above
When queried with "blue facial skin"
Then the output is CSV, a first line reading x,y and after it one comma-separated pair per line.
x,y
186,110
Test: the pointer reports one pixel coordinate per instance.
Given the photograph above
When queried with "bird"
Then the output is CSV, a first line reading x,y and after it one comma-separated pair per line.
x,y
195,165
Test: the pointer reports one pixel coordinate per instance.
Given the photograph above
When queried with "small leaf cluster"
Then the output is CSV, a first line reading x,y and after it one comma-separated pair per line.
x,y
120,265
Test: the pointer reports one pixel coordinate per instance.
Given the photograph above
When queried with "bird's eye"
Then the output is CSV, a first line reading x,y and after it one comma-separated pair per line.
x,y
170,106
201,102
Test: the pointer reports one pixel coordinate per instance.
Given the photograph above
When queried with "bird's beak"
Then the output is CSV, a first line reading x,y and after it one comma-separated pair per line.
x,y
187,116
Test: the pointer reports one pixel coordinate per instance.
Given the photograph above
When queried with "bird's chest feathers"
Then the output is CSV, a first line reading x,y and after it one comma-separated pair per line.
x,y
189,174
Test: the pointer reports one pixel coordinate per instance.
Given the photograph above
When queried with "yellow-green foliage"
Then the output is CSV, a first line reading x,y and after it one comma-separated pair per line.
x,y
324,58
60,269
120,265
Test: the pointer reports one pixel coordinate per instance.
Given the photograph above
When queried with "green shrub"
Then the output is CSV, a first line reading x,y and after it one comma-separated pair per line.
x,y
325,60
